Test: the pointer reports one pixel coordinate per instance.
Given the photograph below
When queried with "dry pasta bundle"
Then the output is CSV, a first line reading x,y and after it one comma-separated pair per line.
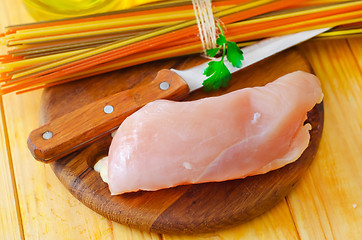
x,y
44,54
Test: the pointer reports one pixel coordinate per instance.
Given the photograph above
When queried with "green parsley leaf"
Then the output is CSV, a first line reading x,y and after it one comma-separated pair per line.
x,y
221,40
234,54
218,75
212,52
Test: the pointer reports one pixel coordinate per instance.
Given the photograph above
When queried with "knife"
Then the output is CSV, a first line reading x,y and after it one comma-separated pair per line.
x,y
75,130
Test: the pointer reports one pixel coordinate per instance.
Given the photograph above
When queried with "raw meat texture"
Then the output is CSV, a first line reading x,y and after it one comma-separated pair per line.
x,y
246,132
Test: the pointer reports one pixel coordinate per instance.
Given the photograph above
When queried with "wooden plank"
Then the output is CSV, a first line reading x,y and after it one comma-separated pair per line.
x,y
9,219
327,203
123,232
355,44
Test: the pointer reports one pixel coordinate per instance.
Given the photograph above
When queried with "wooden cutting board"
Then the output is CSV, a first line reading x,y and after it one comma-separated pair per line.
x,y
183,209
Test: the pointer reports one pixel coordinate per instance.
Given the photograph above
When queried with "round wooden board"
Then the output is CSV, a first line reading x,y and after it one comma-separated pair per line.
x,y
183,209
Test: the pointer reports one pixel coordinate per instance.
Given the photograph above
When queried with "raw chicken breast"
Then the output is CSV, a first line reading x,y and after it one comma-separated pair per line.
x,y
246,132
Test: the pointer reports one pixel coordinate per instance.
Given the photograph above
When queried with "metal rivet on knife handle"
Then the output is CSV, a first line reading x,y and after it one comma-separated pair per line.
x,y
164,85
108,109
47,135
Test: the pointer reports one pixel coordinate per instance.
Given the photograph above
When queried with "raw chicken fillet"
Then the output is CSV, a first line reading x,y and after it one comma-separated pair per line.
x,y
246,132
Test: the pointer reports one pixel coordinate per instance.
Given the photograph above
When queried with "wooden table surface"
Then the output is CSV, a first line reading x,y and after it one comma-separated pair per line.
x,y
325,204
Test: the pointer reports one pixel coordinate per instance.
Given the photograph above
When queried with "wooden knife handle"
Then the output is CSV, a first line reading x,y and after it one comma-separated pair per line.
x,y
81,127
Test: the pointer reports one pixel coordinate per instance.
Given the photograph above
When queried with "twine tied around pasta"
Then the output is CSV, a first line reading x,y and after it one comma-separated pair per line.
x,y
206,23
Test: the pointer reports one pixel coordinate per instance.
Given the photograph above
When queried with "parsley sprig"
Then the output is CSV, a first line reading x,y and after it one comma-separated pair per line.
x,y
218,74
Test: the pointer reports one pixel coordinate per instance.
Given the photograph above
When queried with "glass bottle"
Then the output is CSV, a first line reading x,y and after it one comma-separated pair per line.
x,y
57,9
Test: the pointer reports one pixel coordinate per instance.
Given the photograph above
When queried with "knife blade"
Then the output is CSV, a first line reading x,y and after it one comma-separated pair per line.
x,y
77,129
